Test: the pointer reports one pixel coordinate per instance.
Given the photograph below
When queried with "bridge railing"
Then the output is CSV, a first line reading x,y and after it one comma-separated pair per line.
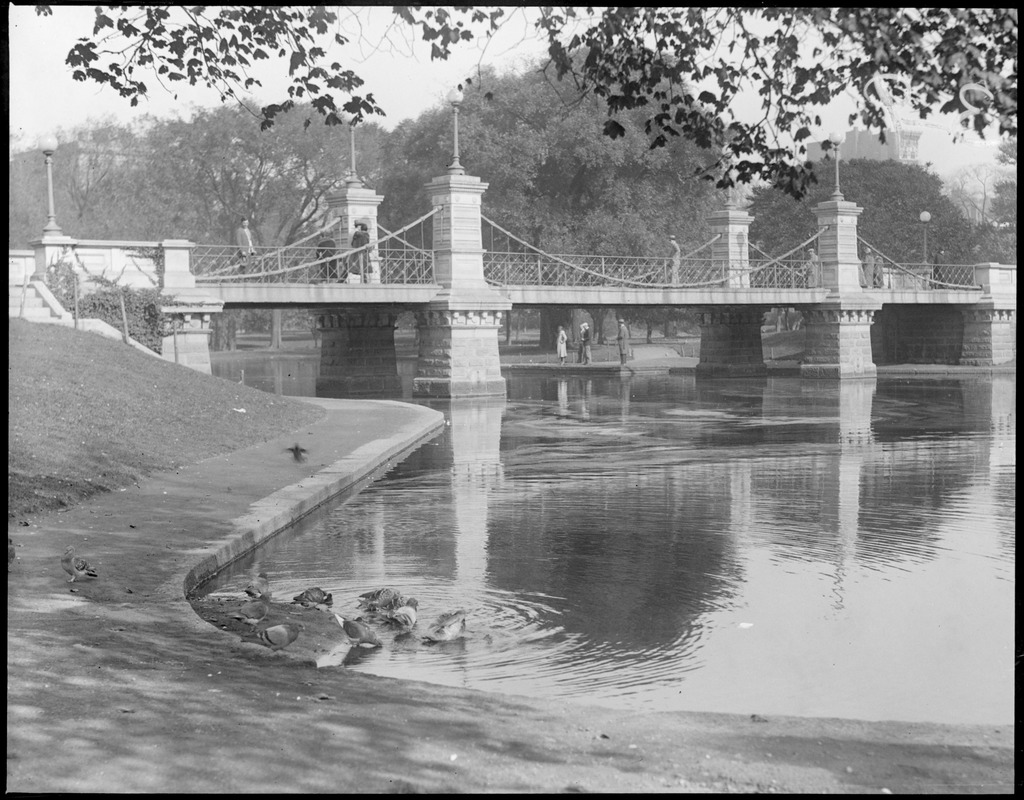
x,y
890,274
402,261
790,273
563,269
398,260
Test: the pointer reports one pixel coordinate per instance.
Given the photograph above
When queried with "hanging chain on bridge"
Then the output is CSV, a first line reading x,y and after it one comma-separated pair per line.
x,y
511,261
399,258
893,275
788,271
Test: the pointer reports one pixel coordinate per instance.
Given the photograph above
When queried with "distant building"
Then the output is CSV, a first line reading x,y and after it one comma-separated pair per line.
x,y
899,146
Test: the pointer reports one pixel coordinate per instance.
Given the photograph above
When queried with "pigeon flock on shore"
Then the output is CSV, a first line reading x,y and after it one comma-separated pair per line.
x,y
384,606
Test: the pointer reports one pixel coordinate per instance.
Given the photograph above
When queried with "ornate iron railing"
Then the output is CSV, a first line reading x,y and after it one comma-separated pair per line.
x,y
392,257
511,261
889,274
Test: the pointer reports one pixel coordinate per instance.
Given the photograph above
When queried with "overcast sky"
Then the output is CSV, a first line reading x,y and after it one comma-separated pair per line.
x,y
405,82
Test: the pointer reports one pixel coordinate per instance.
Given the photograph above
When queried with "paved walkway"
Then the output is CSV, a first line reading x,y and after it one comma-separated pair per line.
x,y
116,685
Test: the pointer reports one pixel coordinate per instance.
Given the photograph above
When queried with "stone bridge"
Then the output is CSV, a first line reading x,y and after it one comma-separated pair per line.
x,y
458,291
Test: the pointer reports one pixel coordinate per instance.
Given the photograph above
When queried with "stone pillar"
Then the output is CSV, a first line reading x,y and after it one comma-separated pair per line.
x,y
49,250
355,203
730,341
177,265
357,353
837,246
188,344
732,249
990,336
838,342
458,329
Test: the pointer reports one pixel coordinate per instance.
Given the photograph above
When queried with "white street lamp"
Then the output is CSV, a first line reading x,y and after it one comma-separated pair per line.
x,y
925,219
455,97
837,139
49,147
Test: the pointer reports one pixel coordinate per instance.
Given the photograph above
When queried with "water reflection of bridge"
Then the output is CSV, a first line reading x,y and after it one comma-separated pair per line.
x,y
822,486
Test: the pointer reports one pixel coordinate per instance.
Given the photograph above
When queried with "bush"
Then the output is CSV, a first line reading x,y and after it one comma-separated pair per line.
x,y
146,323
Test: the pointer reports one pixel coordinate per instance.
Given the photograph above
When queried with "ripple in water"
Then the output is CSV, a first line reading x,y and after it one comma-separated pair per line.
x,y
694,554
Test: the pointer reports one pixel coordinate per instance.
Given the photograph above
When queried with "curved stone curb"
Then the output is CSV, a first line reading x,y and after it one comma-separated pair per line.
x,y
282,509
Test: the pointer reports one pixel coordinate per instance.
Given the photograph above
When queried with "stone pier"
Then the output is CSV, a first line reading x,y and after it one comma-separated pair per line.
x,y
357,353
989,336
458,353
838,343
730,341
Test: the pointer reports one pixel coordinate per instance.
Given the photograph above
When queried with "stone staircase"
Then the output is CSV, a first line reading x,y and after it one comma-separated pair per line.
x,y
39,305
36,307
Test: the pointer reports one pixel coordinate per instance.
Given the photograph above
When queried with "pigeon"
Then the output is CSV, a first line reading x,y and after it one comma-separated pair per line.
x,y
276,637
447,627
298,452
76,567
404,615
379,599
313,597
258,586
358,631
254,612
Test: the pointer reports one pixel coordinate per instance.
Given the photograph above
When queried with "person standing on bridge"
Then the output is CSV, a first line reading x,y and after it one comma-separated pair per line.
x,y
812,269
246,250
677,259
623,341
360,238
560,343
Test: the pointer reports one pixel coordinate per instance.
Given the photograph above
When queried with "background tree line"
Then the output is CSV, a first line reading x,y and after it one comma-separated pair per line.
x,y
554,179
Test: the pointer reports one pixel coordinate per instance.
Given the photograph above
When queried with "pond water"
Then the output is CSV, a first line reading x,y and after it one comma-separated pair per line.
x,y
752,546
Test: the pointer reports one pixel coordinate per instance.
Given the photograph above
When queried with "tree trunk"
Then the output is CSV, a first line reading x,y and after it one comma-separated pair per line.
x,y
598,314
275,329
550,319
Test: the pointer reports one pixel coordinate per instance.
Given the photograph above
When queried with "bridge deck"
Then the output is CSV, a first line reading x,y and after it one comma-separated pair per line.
x,y
343,294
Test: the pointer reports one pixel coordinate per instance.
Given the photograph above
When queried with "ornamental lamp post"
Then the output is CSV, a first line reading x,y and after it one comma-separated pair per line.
x,y
836,139
455,97
925,219
352,178
49,147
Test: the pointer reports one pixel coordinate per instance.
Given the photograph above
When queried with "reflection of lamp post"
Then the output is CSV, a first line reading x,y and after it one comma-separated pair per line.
x,y
837,139
455,98
925,219
49,146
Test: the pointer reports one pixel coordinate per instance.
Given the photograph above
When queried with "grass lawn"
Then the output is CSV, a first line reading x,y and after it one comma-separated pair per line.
x,y
88,414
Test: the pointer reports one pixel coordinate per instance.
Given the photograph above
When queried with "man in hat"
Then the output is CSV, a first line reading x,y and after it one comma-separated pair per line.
x,y
246,250
360,238
585,343
623,341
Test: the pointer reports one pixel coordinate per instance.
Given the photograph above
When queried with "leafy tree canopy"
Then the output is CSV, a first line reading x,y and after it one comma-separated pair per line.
x,y
553,178
892,194
686,69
